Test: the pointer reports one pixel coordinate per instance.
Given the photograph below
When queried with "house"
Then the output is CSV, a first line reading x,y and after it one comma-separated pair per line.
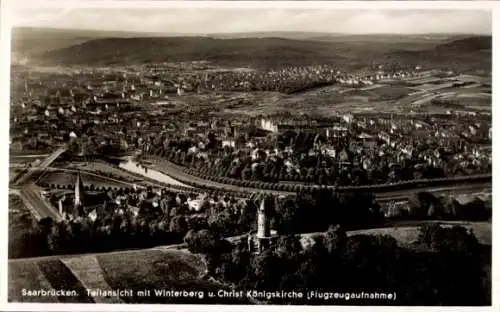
x,y
228,143
198,204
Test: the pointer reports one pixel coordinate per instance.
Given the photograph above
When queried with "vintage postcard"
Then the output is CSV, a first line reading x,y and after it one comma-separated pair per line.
x,y
248,154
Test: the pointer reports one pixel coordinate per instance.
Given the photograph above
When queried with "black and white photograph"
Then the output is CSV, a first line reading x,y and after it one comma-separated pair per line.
x,y
250,155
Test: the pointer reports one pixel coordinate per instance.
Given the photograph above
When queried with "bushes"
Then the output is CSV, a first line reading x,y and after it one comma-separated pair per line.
x,y
454,239
206,242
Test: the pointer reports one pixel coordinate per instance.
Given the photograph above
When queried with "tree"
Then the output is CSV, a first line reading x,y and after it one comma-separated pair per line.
x,y
224,223
286,220
200,241
179,225
267,270
289,246
372,259
335,238
314,268
248,219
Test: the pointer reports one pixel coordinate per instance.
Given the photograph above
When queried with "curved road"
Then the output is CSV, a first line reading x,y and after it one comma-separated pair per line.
x,y
176,171
38,206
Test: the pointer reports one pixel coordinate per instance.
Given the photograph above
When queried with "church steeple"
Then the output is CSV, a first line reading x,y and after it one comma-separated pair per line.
x,y
79,192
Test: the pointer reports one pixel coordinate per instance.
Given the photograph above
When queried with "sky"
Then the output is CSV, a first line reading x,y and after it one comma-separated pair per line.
x,y
234,20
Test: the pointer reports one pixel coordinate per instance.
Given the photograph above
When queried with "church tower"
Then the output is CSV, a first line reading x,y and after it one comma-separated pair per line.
x,y
79,194
263,223
263,238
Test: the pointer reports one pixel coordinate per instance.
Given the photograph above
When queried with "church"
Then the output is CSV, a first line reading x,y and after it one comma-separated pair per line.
x,y
80,204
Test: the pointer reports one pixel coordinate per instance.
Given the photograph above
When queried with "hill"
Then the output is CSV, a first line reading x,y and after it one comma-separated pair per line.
x,y
469,44
29,41
341,51
255,52
156,268
464,55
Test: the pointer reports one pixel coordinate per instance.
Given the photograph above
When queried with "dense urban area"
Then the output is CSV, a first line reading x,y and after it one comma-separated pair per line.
x,y
279,180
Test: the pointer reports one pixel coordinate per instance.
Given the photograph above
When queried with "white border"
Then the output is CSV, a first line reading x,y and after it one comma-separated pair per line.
x,y
495,272
134,4
4,139
5,21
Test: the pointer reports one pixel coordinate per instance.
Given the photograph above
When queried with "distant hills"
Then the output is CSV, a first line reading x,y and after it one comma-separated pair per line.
x,y
272,49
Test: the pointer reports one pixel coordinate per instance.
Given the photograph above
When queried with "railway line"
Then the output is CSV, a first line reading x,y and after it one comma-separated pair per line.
x,y
31,193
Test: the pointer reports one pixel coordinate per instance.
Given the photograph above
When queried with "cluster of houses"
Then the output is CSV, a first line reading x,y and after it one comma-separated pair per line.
x,y
83,202
366,142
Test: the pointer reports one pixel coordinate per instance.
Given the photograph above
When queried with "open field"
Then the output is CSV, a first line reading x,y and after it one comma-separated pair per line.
x,y
406,235
381,93
27,275
88,271
129,270
102,168
67,178
336,99
60,277
154,270
406,232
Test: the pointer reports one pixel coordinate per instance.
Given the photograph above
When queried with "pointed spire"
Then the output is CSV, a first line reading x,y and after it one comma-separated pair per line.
x,y
79,191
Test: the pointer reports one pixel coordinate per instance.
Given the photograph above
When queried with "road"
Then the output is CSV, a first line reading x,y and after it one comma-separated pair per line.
x,y
39,207
49,160
42,166
31,194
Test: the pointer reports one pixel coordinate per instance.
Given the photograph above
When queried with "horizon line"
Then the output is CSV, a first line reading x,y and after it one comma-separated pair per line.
x,y
249,32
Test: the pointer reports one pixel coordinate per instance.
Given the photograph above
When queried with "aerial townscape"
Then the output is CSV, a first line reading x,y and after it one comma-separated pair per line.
x,y
266,168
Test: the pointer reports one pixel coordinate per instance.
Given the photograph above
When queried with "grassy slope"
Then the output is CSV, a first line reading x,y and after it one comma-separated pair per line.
x,y
154,270
144,269
60,277
27,275
88,271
